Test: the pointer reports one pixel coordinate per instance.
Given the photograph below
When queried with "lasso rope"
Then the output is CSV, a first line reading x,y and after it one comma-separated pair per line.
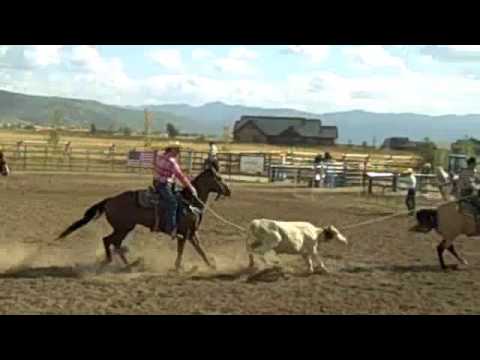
x,y
219,217
349,227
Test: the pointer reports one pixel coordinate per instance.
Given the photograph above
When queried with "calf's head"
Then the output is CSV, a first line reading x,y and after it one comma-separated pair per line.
x,y
332,233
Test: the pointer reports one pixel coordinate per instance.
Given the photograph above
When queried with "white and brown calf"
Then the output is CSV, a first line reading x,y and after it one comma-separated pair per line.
x,y
290,237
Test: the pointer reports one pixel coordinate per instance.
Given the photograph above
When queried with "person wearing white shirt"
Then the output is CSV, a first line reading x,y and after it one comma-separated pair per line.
x,y
212,160
468,187
411,182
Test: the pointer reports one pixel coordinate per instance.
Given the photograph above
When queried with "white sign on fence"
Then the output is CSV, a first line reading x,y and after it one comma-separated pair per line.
x,y
252,164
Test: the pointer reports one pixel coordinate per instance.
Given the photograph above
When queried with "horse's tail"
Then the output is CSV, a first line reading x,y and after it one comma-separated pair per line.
x,y
94,212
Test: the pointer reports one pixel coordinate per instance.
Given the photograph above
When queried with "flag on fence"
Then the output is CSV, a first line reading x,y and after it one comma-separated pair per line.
x,y
140,159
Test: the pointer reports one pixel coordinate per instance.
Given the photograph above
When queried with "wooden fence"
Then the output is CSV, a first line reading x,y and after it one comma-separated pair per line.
x,y
39,156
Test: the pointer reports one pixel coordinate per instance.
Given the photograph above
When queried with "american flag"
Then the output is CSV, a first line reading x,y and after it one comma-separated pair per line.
x,y
140,159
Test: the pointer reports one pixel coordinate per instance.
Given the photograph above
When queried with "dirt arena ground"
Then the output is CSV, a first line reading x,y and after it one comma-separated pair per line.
x,y
385,270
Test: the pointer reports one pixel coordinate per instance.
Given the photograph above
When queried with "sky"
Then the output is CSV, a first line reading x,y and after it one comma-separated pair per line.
x,y
427,79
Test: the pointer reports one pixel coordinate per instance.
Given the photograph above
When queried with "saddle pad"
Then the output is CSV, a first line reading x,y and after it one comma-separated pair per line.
x,y
147,199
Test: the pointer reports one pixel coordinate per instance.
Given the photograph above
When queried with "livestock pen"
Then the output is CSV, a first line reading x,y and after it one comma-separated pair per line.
x,y
344,169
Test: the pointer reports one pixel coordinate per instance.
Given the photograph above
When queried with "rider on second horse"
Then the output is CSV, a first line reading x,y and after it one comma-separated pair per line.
x,y
212,160
468,187
166,169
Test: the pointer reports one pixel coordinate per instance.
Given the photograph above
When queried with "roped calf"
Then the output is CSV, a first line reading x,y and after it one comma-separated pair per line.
x,y
289,237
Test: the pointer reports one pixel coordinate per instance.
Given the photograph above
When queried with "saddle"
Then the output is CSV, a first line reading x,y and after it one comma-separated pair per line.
x,y
150,199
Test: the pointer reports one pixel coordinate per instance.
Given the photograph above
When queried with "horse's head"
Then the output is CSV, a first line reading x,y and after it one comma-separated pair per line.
x,y
210,181
4,170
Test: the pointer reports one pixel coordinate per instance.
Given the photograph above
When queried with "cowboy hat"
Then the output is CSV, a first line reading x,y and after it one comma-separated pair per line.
x,y
173,145
408,171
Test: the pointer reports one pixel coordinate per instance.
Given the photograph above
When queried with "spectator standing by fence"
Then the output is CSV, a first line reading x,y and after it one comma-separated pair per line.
x,y
411,182
329,177
318,171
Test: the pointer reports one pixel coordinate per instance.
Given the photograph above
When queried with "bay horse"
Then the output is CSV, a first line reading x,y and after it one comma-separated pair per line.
x,y
123,213
449,221
4,170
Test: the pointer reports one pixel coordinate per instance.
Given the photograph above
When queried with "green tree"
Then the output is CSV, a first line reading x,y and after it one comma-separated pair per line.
x,y
172,131
126,131
93,129
427,150
57,118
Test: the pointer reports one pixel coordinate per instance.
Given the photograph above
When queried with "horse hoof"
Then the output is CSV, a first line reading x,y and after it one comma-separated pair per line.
x,y
194,269
450,267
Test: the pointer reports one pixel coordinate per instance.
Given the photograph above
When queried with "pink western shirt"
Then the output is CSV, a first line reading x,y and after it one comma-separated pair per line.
x,y
166,169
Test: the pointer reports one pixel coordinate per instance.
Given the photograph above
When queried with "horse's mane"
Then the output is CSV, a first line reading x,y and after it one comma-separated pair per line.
x,y
186,195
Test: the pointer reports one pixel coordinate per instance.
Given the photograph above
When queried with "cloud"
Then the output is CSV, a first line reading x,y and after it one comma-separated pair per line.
x,y
242,53
3,50
316,85
234,66
198,90
373,56
315,53
201,54
27,57
93,68
44,55
453,53
237,62
77,71
364,95
170,59
84,71
13,57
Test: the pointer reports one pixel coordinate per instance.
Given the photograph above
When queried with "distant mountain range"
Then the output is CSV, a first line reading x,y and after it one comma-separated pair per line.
x,y
37,110
356,126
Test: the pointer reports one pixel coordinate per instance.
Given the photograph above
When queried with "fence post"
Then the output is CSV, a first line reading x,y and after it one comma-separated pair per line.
x,y
269,167
24,156
70,159
45,160
88,161
190,162
394,182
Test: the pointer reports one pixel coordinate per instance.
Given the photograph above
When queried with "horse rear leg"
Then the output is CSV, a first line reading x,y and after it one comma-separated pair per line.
x,y
107,242
116,239
440,250
452,250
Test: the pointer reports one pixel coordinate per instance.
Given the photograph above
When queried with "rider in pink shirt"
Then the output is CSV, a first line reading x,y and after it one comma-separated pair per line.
x,y
166,169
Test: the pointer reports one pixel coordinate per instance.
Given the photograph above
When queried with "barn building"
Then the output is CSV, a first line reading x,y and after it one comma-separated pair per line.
x,y
402,143
283,131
